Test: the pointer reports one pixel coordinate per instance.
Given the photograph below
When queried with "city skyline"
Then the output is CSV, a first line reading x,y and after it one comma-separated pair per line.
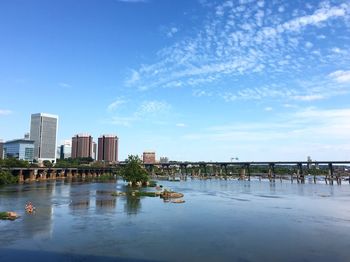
x,y
190,80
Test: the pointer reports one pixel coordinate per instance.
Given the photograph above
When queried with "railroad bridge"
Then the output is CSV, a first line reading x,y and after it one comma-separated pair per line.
x,y
42,173
184,169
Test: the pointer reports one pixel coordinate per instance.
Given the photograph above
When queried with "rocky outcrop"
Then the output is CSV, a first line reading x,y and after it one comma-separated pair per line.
x,y
167,194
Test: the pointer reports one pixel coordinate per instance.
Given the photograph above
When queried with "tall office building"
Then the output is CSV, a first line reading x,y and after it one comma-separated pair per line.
x,y
149,157
108,148
82,146
94,151
1,149
43,131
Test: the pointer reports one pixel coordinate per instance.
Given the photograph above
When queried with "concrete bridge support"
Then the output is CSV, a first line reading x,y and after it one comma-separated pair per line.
x,y
300,174
20,176
32,176
61,174
330,173
242,173
272,171
53,175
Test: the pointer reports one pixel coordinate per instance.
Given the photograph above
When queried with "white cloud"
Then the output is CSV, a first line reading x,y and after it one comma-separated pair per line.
x,y
310,97
320,15
153,107
241,40
134,78
268,108
308,45
117,103
172,32
122,121
199,93
5,112
341,76
65,85
181,125
146,111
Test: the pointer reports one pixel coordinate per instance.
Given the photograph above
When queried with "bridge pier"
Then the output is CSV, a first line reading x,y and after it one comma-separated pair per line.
x,y
31,176
300,175
60,174
331,172
53,174
272,171
225,166
20,176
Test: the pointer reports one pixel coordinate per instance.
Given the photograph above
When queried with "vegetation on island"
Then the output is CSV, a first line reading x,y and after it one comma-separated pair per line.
x,y
133,172
8,216
3,215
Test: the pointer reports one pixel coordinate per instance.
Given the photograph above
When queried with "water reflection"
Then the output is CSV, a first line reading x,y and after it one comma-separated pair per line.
x,y
132,205
105,200
84,219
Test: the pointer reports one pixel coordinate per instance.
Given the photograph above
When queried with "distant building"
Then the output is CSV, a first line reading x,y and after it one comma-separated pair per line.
x,y
149,157
21,149
65,150
94,151
27,136
82,146
1,149
43,131
108,148
164,160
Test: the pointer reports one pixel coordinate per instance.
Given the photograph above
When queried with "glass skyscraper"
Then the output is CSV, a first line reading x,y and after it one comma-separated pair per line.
x,y
43,131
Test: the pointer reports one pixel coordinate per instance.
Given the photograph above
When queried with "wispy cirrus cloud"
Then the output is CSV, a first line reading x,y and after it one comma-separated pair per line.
x,y
153,107
172,31
250,39
341,76
65,85
148,110
181,125
116,104
5,112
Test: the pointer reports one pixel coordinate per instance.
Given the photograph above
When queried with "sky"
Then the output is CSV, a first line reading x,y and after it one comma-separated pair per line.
x,y
194,80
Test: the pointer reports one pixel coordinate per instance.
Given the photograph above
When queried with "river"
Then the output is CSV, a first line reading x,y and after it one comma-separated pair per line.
x,y
220,221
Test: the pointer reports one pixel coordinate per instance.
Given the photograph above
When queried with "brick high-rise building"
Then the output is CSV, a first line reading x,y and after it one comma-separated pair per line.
x,y
149,157
108,148
81,146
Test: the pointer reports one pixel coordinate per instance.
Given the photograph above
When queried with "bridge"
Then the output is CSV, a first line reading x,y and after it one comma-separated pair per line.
x,y
298,169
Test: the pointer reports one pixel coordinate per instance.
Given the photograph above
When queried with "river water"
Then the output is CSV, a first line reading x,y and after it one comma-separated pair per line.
x,y
220,221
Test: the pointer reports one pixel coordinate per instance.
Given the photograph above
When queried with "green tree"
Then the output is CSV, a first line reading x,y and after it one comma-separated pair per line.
x,y
7,178
134,172
13,162
47,163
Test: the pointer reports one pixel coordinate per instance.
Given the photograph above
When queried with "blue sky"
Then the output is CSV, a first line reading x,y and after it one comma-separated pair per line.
x,y
189,79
